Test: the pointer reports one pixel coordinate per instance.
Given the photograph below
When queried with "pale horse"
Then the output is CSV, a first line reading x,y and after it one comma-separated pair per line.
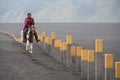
x,y
30,38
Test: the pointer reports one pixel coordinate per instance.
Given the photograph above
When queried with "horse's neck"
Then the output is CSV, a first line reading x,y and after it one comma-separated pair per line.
x,y
28,33
30,36
28,30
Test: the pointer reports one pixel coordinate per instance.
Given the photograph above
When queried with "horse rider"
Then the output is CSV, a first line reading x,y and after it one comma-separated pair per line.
x,y
27,23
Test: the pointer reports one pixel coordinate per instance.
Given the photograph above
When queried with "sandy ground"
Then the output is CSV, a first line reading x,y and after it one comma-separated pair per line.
x,y
17,64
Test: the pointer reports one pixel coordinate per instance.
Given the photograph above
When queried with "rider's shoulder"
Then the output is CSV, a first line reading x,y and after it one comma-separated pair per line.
x,y
32,18
26,18
29,18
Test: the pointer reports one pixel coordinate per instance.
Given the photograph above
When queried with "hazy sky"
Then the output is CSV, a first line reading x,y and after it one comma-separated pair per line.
x,y
61,10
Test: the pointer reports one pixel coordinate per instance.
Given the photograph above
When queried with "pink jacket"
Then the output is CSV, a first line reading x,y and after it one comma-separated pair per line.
x,y
27,22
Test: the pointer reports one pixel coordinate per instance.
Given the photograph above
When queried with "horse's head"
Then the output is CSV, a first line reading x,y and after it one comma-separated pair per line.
x,y
32,27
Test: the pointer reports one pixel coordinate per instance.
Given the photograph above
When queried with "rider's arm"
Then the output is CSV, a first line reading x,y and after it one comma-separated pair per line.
x,y
25,23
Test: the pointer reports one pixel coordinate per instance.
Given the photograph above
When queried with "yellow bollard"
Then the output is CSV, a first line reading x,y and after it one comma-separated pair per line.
x,y
64,46
53,35
78,59
108,61
41,37
50,41
43,34
57,49
45,40
37,32
99,45
61,46
90,65
63,53
69,39
73,57
79,51
84,54
117,70
46,45
99,60
59,43
73,51
109,71
90,56
55,45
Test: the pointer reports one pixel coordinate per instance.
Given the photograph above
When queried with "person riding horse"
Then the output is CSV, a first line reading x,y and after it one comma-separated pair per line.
x,y
27,23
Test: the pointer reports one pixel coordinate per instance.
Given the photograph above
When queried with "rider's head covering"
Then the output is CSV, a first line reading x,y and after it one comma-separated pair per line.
x,y
28,14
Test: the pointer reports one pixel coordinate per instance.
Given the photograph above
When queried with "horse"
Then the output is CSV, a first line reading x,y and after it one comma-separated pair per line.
x,y
30,38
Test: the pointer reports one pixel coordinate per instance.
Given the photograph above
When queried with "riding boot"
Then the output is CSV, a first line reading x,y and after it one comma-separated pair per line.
x,y
24,38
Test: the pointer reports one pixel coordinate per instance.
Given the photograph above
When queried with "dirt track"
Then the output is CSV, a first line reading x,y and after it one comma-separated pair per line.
x,y
17,64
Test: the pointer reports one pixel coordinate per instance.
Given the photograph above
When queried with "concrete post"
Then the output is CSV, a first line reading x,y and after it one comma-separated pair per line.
x,y
117,70
78,59
68,53
99,60
55,46
84,64
109,68
53,37
61,52
91,65
73,57
52,48
58,48
64,52
45,45
57,53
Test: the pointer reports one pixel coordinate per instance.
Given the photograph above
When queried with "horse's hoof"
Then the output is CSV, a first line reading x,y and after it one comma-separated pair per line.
x,y
30,52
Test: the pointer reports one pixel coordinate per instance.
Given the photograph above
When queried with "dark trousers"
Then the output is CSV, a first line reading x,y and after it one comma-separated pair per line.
x,y
25,31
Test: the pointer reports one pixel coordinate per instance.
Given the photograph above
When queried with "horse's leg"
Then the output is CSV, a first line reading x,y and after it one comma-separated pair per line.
x,y
31,47
27,45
